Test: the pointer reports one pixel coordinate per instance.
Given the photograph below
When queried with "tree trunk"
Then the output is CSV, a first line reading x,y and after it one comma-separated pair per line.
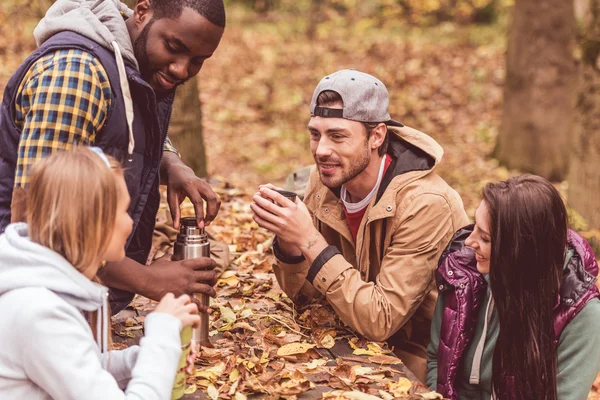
x,y
584,177
185,129
540,89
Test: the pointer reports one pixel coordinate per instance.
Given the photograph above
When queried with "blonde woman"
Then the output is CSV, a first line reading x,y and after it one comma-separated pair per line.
x,y
76,220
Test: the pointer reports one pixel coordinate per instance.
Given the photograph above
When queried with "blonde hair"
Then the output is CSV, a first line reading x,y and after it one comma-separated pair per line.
x,y
72,203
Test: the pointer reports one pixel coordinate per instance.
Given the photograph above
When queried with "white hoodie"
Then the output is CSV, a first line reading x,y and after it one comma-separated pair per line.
x,y
47,350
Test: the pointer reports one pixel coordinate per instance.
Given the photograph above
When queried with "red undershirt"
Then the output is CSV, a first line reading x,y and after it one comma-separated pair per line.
x,y
354,219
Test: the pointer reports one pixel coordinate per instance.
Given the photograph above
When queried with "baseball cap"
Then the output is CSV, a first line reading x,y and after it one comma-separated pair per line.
x,y
365,97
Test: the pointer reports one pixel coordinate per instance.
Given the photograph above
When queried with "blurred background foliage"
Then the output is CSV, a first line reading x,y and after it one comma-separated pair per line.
x,y
443,62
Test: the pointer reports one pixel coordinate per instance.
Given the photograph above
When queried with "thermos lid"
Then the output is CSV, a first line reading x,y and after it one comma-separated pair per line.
x,y
189,221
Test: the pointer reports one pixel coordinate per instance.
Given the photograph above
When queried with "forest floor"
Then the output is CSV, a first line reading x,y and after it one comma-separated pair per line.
x,y
446,80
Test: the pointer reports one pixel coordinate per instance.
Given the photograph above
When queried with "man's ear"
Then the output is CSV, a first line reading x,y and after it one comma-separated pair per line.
x,y
142,13
378,136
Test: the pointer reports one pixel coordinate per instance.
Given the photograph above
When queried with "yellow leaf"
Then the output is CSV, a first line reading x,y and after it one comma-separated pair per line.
x,y
190,389
212,373
234,387
233,376
399,388
231,281
359,396
294,348
264,359
431,395
246,313
363,352
363,370
328,342
203,382
240,396
228,274
375,348
243,325
314,364
212,392
227,314
385,395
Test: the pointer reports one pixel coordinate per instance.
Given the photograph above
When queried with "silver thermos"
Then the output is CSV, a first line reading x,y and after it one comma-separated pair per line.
x,y
192,242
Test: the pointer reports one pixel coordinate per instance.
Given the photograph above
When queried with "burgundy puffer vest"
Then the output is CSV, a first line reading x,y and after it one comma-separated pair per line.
x,y
463,288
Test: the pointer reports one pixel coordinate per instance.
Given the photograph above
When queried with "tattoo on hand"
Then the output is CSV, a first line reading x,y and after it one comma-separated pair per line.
x,y
311,244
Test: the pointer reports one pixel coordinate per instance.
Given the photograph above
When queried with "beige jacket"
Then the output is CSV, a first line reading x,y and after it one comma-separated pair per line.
x,y
384,285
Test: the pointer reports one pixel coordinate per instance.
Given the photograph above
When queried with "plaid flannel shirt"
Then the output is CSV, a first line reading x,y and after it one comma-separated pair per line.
x,y
63,100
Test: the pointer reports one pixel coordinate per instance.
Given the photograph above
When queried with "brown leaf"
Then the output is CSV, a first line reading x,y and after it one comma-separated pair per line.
x,y
385,360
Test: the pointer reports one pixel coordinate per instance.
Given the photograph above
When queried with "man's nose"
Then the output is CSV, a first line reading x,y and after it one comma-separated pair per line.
x,y
323,148
179,69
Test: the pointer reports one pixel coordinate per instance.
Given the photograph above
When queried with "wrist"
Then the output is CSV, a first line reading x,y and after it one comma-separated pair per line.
x,y
169,163
287,253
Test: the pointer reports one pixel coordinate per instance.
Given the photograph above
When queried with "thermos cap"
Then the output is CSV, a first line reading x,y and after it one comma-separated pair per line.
x,y
189,221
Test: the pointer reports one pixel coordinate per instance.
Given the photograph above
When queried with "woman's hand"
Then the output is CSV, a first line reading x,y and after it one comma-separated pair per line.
x,y
181,308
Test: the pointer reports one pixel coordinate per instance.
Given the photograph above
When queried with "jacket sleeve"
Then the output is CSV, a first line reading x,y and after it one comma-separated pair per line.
x,y
578,354
290,272
61,357
379,309
432,349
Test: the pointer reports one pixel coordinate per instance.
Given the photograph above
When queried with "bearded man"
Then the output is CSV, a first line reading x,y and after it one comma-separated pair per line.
x,y
374,221
106,75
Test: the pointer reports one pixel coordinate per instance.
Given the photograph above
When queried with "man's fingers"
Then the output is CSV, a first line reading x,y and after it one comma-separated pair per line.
x,y
265,215
265,224
205,277
277,197
200,263
270,186
198,203
173,202
202,288
213,204
267,205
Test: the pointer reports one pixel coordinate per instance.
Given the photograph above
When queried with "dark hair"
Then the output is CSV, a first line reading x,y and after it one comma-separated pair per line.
x,y
329,98
528,225
212,10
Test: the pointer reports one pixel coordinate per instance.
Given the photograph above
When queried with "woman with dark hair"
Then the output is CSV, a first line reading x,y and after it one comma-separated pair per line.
x,y
518,314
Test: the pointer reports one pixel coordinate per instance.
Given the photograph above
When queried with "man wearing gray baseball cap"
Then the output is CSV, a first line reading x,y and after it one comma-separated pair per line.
x,y
374,221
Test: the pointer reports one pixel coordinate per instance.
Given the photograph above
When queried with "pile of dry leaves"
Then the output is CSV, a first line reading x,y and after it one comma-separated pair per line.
x,y
265,344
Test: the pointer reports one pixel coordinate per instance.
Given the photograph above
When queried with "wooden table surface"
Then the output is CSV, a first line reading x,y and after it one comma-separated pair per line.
x,y
339,373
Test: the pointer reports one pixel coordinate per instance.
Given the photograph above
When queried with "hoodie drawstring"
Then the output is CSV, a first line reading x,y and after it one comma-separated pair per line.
x,y
476,366
102,325
126,98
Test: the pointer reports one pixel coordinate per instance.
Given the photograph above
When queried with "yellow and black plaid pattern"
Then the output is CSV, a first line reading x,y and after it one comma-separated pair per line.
x,y
63,100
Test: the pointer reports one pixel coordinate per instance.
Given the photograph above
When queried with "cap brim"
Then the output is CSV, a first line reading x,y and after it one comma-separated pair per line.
x,y
394,123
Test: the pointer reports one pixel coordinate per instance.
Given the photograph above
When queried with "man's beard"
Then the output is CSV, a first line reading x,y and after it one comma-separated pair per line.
x,y
140,53
357,165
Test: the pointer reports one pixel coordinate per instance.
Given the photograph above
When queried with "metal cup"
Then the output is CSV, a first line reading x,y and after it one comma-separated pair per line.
x,y
287,194
192,242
